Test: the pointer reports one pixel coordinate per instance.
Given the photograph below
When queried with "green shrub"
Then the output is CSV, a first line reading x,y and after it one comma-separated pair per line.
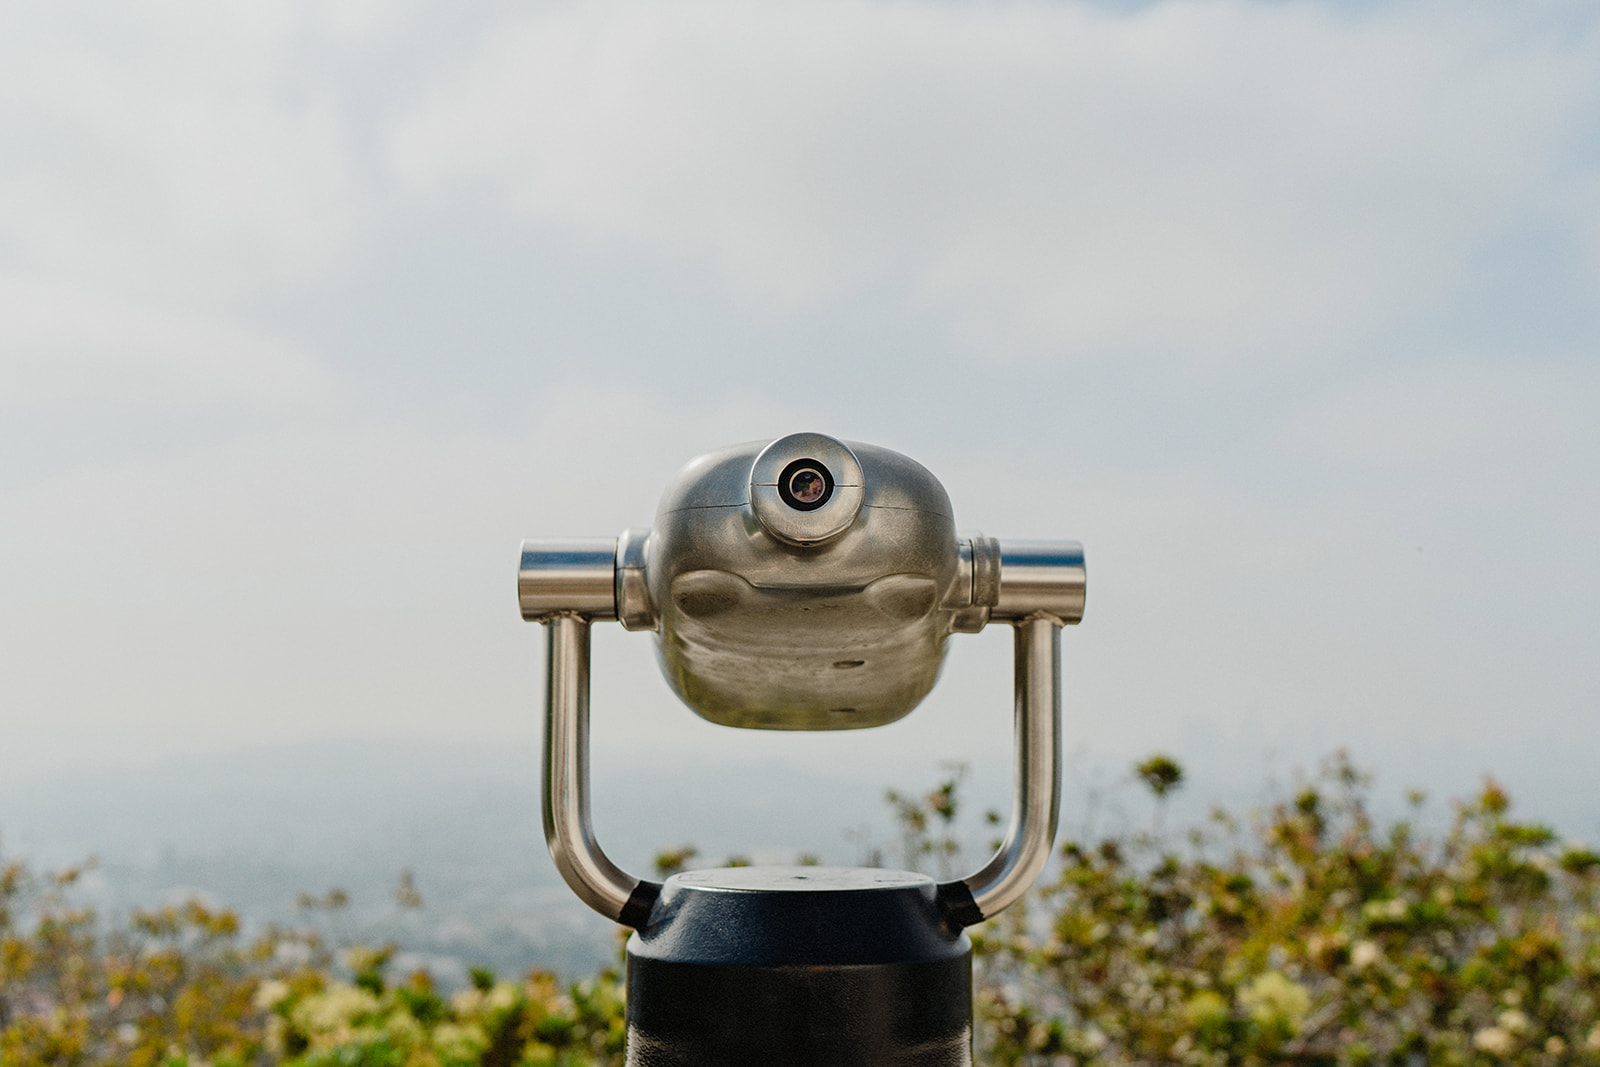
x,y
1315,934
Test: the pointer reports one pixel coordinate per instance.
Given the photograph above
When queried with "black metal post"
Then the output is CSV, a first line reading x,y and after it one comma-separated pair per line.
x,y
799,967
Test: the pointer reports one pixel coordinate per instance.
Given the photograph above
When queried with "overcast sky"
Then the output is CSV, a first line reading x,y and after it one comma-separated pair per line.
x,y
1288,310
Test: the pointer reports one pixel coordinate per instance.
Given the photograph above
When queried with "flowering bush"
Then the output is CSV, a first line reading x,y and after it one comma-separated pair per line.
x,y
180,987
366,1023
174,983
1314,935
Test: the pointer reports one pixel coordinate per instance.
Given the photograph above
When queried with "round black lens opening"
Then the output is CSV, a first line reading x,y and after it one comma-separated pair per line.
x,y
805,485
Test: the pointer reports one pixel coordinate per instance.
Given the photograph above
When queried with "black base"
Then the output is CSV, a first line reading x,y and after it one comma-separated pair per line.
x,y
799,967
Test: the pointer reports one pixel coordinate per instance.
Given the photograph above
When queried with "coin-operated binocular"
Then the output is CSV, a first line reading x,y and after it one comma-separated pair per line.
x,y
807,584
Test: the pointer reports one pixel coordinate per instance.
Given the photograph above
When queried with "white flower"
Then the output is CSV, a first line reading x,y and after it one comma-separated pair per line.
x,y
1514,1021
1274,997
333,1010
1094,1039
1494,1041
270,994
1364,954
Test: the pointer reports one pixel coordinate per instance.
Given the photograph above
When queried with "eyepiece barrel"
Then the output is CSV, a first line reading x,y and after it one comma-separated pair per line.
x,y
806,489
568,578
1041,578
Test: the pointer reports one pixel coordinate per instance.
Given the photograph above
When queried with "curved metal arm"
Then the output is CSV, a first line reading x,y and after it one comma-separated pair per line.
x,y
598,882
1037,782
566,585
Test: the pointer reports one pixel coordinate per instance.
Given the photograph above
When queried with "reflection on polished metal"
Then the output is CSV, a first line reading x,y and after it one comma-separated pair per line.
x,y
1044,578
597,881
1036,790
805,489
567,578
805,584
838,625
782,619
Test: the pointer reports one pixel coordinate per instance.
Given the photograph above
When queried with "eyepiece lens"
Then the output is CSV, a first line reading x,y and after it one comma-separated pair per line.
x,y
805,485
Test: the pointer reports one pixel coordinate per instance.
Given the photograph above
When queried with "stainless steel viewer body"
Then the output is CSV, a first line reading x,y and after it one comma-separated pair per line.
x,y
805,584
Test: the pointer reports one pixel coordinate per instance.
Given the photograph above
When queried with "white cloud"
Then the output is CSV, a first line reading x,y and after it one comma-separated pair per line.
x,y
1443,415
173,150
1507,436
64,346
356,581
317,578
1199,177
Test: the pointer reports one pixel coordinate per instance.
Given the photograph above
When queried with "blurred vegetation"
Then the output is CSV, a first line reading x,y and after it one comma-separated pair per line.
x,y
1313,934
182,986
1310,933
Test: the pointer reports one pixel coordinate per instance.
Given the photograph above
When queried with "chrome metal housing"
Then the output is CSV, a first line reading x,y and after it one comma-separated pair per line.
x,y
844,631
837,619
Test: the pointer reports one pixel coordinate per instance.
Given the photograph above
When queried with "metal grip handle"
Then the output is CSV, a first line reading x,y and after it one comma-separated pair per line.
x,y
567,585
1036,781
597,881
1041,587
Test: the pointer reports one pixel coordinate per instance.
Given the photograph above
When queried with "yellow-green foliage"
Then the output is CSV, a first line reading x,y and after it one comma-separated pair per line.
x,y
174,982
534,1023
1317,935
180,987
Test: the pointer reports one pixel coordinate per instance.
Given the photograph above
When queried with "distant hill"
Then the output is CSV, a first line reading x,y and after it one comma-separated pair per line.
x,y
254,829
